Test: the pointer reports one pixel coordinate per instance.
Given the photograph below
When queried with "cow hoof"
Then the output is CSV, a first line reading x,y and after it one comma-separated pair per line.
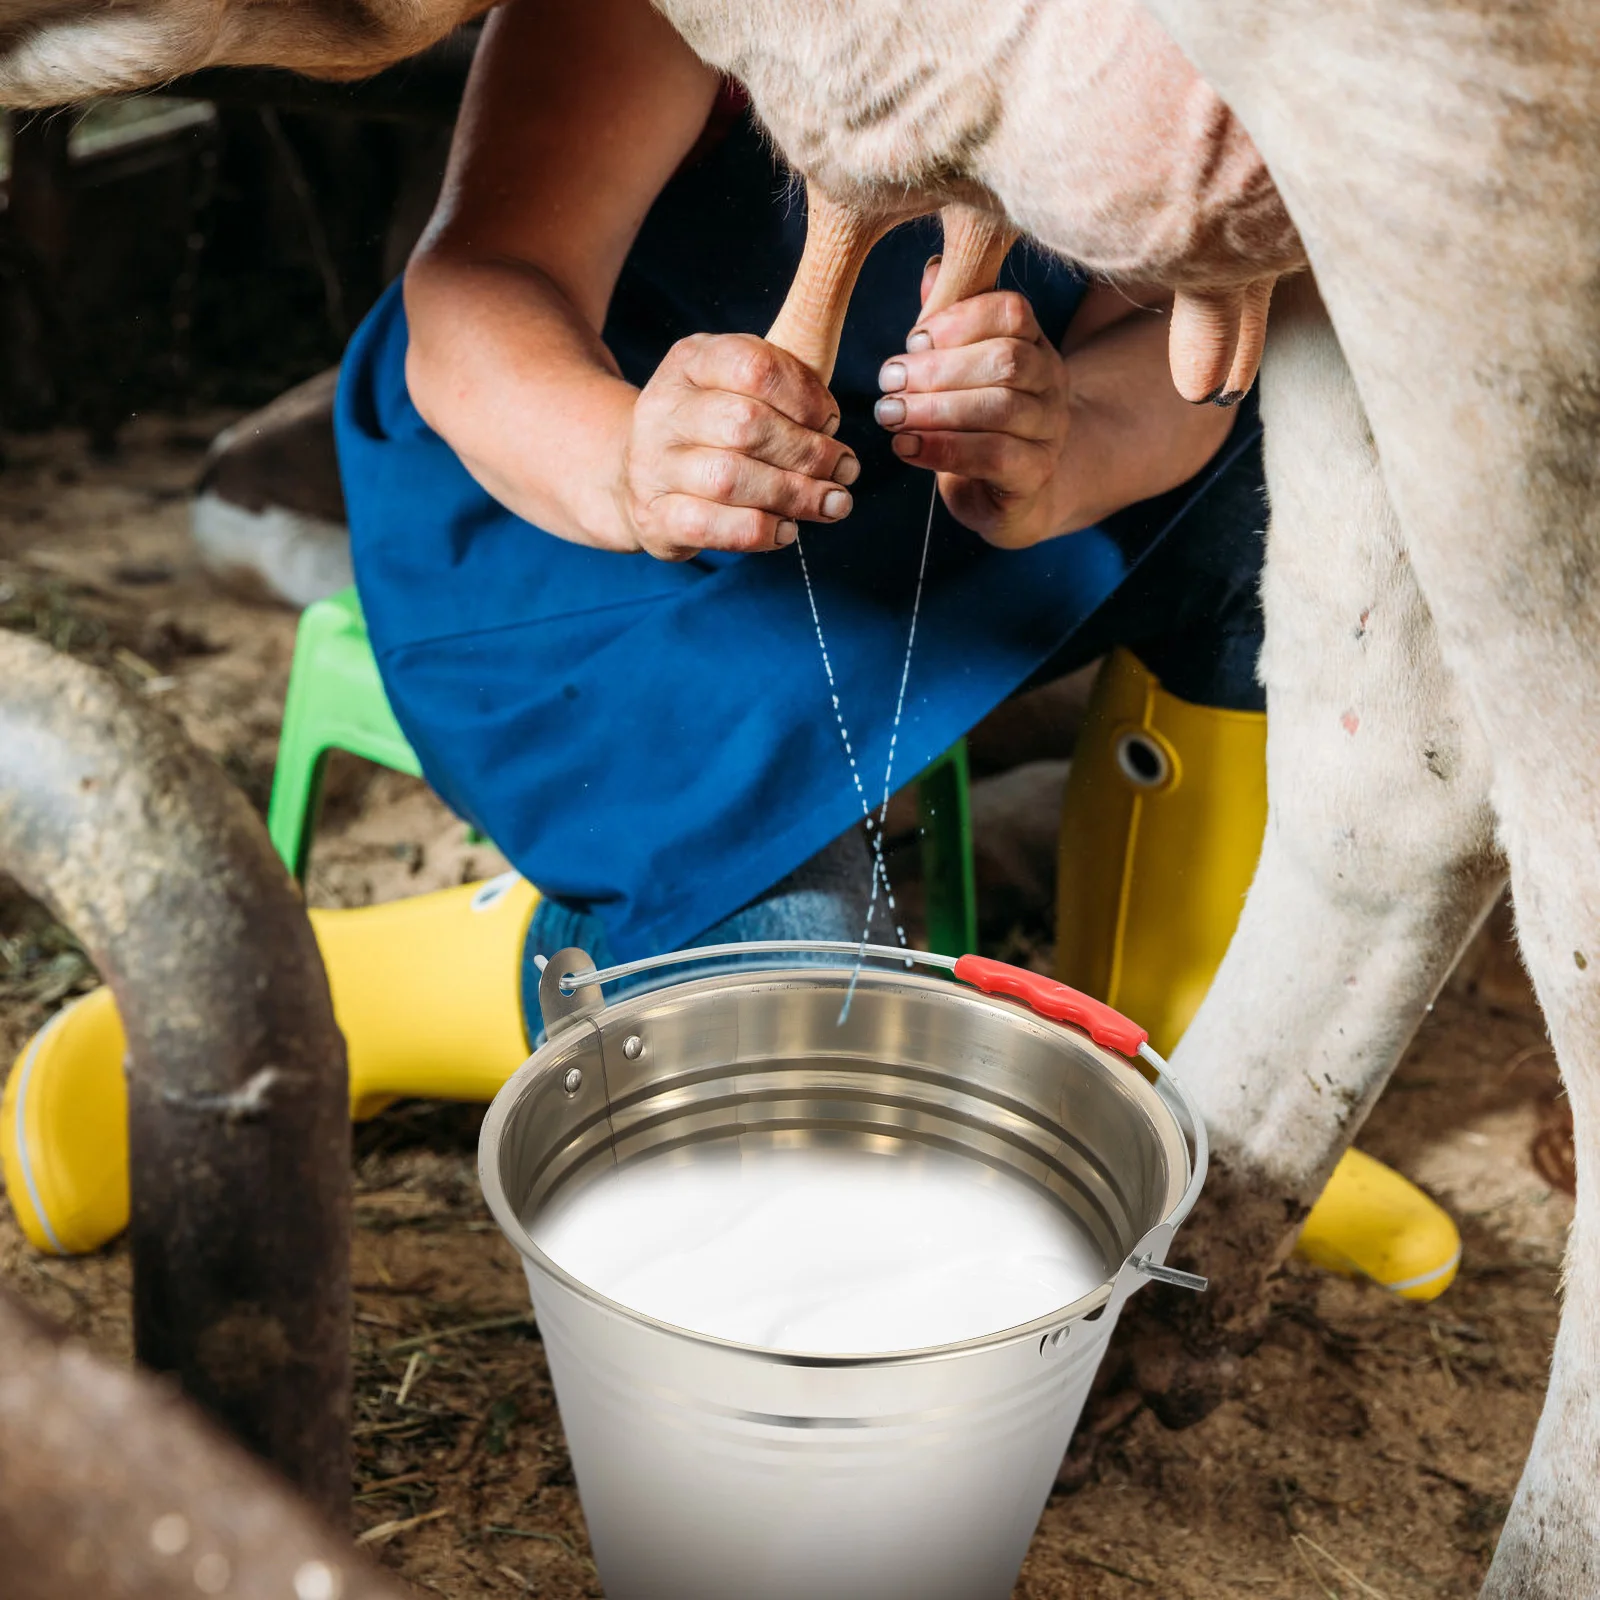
x,y
1179,1387
1184,1366
1152,1369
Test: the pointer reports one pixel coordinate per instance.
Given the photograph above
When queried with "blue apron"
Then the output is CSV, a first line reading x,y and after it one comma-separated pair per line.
x,y
654,743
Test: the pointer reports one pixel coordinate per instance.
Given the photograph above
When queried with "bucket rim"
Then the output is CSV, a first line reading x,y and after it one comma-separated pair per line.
x,y
1087,1307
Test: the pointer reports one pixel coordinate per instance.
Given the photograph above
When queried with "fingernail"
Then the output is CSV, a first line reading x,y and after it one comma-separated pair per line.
x,y
906,445
1231,398
1212,398
920,340
788,532
890,411
836,503
831,426
893,376
849,469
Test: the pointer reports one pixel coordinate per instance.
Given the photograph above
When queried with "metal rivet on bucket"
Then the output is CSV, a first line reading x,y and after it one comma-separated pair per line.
x,y
711,1470
1052,1344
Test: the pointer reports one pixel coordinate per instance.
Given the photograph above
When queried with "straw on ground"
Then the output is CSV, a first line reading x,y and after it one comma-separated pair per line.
x,y
385,1531
460,1331
410,1377
538,1533
1105,1566
1303,1542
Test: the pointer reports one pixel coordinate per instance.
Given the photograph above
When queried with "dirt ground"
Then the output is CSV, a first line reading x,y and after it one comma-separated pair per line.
x,y
1375,1448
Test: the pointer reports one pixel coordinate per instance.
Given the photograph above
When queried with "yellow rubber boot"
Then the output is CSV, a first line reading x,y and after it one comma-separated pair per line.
x,y
1369,1222
1165,809
428,994
64,1130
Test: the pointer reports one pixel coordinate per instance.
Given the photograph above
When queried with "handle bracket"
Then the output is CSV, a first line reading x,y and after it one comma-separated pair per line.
x,y
1160,1272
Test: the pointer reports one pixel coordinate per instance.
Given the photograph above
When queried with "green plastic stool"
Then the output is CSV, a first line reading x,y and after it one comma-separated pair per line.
x,y
950,888
336,702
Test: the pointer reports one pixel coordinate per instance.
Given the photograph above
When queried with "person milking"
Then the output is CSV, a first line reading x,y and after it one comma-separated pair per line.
x,y
577,475
579,482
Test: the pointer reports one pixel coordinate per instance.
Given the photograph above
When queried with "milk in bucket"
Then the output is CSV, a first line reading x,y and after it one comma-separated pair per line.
x,y
823,1291
823,1250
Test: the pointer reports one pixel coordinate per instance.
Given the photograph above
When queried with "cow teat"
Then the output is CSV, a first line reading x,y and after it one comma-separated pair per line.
x,y
1215,341
838,239
839,236
975,246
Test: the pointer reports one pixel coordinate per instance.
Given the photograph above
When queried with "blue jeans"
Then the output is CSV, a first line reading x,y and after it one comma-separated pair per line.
x,y
824,898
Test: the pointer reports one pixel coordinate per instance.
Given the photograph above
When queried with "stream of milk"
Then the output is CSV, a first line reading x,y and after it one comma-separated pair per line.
x,y
830,1252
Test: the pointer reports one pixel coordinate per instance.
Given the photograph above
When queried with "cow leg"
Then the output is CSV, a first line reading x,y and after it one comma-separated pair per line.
x,y
1548,796
1441,164
1516,598
1549,801
1378,861
1515,594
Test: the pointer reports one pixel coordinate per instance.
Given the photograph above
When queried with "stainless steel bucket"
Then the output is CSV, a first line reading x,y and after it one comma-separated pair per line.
x,y
710,1470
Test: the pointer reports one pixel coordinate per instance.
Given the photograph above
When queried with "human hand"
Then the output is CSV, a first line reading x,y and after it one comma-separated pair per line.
x,y
731,446
981,398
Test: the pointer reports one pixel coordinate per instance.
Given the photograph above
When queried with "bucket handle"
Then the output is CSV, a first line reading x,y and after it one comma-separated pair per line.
x,y
1055,1001
753,947
1147,1259
1181,1104
1052,1000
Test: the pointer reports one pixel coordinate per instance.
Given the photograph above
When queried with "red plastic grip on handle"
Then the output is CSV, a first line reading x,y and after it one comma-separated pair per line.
x,y
1054,1000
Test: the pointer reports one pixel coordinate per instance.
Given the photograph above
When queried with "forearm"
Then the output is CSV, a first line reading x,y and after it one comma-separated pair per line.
x,y
1131,435
508,372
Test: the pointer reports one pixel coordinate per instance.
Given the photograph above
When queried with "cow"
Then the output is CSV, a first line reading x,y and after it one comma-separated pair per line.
x,y
1431,391
1432,590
